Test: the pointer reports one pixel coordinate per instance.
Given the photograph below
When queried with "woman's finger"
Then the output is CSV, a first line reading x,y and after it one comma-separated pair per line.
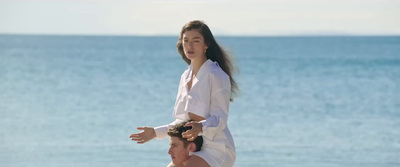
x,y
187,133
142,141
137,134
141,128
191,138
134,135
189,124
137,139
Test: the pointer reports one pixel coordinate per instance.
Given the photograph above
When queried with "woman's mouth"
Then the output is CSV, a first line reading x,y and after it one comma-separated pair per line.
x,y
190,52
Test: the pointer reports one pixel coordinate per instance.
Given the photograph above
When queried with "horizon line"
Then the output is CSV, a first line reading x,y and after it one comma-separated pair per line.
x,y
217,35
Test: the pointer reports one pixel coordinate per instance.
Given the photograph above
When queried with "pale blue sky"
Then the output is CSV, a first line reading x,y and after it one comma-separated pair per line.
x,y
236,17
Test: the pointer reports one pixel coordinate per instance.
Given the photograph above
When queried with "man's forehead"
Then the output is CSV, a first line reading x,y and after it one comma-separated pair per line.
x,y
175,140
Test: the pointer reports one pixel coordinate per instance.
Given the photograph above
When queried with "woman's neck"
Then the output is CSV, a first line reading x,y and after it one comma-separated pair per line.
x,y
197,63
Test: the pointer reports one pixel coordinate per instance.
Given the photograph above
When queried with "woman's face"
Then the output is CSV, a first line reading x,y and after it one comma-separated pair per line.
x,y
193,44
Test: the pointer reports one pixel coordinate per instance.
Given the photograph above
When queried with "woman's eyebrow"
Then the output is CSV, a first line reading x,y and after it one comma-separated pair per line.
x,y
192,38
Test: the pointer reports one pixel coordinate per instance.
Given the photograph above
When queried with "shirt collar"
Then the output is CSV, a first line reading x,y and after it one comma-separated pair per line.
x,y
201,72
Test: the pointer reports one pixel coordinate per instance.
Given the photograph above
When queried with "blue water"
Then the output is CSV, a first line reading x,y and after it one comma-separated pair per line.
x,y
305,101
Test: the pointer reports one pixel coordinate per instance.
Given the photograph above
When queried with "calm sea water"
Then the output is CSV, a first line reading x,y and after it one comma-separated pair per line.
x,y
305,101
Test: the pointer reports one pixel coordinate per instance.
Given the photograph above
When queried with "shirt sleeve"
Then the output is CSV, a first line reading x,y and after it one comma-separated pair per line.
x,y
219,108
162,131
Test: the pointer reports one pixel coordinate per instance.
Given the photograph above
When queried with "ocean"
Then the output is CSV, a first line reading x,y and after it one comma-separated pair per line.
x,y
330,101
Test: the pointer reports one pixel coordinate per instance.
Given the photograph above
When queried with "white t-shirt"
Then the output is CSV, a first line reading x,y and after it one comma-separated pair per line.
x,y
209,97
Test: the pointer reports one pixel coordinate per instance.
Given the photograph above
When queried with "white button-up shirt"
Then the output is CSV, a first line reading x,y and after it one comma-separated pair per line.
x,y
209,97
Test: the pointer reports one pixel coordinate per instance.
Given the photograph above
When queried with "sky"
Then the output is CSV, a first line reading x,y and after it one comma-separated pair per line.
x,y
224,17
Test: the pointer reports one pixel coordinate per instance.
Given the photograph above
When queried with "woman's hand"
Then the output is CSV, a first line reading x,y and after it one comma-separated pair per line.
x,y
194,132
146,135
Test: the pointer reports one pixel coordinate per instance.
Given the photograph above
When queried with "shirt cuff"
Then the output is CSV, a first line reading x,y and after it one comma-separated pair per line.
x,y
161,132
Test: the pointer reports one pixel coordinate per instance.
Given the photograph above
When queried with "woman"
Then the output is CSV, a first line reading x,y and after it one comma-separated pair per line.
x,y
205,90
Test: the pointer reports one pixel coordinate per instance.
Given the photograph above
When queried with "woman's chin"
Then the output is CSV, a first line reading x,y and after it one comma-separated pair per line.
x,y
190,57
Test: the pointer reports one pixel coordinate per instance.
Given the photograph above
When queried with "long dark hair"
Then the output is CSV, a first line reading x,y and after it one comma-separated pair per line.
x,y
214,52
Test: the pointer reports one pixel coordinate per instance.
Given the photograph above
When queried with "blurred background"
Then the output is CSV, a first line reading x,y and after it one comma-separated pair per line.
x,y
319,80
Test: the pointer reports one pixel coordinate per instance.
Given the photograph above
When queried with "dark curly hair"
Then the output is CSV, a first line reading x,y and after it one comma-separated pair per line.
x,y
177,131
